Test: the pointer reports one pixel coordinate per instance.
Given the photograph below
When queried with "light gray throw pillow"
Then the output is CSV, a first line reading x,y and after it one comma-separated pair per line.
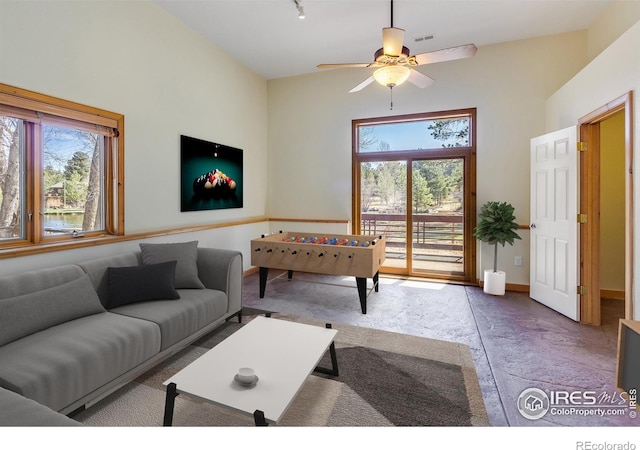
x,y
29,313
186,255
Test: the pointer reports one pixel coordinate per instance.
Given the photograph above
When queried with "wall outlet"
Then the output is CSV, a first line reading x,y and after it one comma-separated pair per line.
x,y
518,261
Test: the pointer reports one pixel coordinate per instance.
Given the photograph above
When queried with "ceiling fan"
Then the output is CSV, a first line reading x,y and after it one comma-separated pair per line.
x,y
394,62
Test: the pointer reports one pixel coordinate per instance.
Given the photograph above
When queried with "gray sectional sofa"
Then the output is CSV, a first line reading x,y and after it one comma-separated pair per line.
x,y
73,334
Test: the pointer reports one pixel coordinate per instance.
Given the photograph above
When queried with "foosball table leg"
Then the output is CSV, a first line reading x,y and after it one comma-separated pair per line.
x,y
362,293
264,272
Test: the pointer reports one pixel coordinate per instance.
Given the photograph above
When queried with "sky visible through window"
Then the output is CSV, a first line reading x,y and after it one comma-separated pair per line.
x,y
407,135
60,144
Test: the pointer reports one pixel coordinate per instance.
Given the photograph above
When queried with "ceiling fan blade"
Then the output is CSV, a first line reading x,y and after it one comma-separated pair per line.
x,y
419,79
392,39
340,66
447,54
363,85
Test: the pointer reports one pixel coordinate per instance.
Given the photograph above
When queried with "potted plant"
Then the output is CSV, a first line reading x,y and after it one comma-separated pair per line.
x,y
496,226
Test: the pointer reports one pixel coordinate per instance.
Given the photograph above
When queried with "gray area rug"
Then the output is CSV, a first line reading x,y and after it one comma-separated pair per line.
x,y
386,379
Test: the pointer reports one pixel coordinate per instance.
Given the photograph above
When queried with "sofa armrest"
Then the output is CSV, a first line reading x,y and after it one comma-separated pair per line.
x,y
19,411
222,270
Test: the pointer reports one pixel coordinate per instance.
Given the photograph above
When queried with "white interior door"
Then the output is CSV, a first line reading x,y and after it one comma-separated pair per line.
x,y
554,228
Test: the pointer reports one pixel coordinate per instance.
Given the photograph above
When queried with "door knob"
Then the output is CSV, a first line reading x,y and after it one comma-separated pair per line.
x,y
532,226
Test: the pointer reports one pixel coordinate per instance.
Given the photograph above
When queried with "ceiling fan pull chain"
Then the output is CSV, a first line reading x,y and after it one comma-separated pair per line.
x,y
391,89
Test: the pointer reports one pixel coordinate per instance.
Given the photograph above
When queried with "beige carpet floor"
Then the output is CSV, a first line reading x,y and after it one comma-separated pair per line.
x,y
386,379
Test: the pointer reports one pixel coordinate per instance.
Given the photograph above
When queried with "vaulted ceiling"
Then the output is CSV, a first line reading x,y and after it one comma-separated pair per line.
x,y
268,37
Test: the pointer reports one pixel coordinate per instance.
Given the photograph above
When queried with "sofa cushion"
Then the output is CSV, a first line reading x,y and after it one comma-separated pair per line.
x,y
19,411
36,280
141,283
62,364
177,320
97,270
29,313
185,253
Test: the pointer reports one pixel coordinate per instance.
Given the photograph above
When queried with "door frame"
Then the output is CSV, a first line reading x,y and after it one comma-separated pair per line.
x,y
468,154
589,188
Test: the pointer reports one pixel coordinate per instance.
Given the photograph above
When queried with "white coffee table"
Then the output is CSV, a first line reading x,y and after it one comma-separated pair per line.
x,y
282,353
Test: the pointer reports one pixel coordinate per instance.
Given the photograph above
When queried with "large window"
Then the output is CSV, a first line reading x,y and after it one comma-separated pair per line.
x,y
414,182
60,170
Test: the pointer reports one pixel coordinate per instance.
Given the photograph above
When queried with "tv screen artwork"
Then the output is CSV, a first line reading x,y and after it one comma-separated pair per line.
x,y
211,175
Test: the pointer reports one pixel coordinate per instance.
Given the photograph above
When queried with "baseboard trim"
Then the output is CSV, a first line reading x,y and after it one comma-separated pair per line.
x,y
610,293
510,286
517,287
513,287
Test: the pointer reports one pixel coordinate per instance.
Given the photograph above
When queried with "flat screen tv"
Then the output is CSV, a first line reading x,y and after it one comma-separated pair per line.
x,y
211,175
628,357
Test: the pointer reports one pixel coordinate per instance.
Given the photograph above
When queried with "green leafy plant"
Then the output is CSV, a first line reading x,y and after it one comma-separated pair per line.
x,y
496,226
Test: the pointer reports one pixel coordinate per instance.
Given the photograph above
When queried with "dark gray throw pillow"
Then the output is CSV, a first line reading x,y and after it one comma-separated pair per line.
x,y
185,253
141,283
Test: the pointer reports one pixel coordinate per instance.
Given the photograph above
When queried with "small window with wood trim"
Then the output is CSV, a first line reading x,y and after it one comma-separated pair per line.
x,y
61,171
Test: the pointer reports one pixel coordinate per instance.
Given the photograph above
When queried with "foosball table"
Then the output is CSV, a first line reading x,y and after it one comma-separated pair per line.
x,y
359,256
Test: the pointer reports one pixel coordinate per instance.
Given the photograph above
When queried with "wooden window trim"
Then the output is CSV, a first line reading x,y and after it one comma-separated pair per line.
x,y
468,153
32,101
36,108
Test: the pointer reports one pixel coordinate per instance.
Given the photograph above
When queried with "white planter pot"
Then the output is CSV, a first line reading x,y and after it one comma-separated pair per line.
x,y
494,282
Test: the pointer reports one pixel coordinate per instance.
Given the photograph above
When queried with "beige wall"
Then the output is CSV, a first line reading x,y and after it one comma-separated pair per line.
x,y
612,201
611,74
611,24
310,127
134,58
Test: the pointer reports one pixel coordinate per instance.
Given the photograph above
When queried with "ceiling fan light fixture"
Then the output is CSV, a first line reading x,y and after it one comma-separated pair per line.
x,y
391,76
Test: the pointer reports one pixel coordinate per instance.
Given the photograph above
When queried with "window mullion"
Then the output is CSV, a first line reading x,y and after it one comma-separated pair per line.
x,y
27,190
36,210
108,171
